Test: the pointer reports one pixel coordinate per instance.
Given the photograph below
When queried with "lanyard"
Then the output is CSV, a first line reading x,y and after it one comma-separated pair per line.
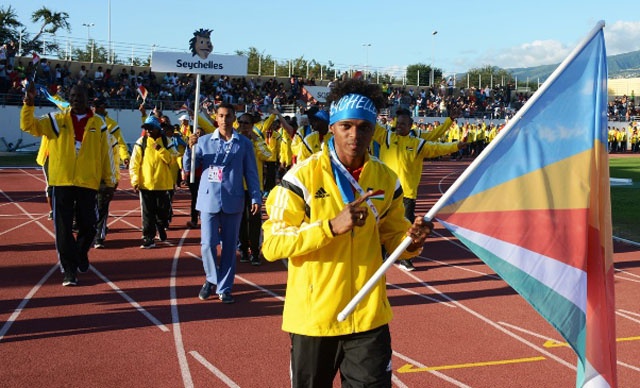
x,y
224,149
344,178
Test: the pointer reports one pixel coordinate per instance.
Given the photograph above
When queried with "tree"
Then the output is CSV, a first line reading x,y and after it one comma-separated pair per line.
x,y
420,74
50,21
480,77
9,25
91,53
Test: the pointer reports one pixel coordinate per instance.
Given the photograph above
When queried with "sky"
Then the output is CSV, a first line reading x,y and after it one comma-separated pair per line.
x,y
453,35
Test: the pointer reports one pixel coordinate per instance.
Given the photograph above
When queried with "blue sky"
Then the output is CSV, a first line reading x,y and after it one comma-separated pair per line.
x,y
470,33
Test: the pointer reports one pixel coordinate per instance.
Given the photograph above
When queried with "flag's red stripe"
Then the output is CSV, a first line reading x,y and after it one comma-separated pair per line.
x,y
559,234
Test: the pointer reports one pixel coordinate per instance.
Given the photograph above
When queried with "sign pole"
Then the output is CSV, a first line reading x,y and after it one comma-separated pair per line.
x,y
196,111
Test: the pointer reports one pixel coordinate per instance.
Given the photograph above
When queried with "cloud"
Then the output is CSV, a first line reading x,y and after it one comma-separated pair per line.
x,y
536,53
622,37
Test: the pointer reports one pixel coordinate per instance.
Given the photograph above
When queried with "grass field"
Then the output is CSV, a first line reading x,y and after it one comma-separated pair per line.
x,y
625,200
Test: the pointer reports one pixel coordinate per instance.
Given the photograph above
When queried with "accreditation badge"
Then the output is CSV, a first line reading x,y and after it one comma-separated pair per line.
x,y
215,174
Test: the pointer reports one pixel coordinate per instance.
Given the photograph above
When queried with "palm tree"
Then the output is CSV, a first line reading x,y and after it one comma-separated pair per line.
x,y
9,24
50,21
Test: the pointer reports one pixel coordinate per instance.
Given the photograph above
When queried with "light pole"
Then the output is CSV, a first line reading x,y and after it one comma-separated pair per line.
x,y
366,55
433,58
88,25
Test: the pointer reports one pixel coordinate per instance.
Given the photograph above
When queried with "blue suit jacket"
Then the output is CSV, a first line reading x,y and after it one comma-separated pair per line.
x,y
238,161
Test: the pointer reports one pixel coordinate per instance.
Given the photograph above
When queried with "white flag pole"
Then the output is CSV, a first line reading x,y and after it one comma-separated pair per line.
x,y
196,110
445,197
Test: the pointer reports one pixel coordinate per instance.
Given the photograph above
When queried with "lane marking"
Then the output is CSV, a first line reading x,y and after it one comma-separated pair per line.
x,y
175,317
129,299
498,326
408,368
429,298
217,372
442,376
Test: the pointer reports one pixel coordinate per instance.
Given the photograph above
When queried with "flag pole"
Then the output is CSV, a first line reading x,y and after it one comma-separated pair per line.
x,y
445,197
196,109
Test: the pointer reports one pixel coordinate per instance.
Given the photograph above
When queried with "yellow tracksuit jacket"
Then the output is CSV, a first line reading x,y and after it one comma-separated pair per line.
x,y
312,144
405,154
326,271
156,171
86,167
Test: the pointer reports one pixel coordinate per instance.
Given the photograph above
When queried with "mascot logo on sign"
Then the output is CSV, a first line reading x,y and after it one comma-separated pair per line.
x,y
200,44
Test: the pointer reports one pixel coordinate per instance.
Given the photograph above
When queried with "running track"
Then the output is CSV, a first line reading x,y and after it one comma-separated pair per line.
x,y
135,319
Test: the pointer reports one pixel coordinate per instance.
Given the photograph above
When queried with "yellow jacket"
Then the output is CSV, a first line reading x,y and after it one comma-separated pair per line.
x,y
312,144
326,271
405,154
156,171
285,148
85,167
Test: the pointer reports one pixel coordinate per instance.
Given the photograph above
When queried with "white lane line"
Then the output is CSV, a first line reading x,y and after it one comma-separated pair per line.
x,y
433,372
623,315
132,302
632,367
14,316
32,220
496,325
629,312
408,291
175,317
137,306
273,294
217,372
531,333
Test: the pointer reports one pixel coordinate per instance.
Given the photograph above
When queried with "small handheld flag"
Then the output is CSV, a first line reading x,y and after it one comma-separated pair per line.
x,y
142,91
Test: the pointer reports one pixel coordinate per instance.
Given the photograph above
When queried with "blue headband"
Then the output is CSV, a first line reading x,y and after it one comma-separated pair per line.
x,y
353,106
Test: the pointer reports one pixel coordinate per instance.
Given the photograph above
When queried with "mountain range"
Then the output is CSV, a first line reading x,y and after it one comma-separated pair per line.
x,y
625,65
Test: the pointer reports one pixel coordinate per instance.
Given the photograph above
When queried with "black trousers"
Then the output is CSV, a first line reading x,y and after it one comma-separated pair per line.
x,y
363,359
250,229
81,203
409,209
156,206
105,196
270,171
193,190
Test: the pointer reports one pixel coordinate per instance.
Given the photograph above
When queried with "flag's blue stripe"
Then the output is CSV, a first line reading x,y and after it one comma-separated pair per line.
x,y
558,125
563,315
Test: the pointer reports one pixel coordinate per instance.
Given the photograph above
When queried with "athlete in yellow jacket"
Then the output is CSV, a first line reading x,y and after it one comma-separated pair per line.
x,y
329,216
79,160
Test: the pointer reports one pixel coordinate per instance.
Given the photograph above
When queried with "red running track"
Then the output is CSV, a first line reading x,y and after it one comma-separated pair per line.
x,y
135,319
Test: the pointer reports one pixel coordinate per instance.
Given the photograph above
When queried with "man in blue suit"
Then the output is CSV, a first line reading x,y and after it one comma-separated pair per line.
x,y
227,160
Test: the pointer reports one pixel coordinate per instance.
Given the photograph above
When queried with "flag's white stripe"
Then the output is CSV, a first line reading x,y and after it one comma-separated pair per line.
x,y
568,281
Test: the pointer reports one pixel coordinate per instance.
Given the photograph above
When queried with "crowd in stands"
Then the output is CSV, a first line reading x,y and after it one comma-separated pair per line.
x,y
118,86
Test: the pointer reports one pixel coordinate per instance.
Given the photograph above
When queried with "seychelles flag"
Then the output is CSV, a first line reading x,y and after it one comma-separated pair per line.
x,y
535,207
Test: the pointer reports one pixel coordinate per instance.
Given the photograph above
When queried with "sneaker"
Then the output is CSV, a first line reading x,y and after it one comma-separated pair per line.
x,y
406,265
69,279
83,267
256,262
50,215
226,298
99,244
245,257
147,244
192,225
162,234
205,291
